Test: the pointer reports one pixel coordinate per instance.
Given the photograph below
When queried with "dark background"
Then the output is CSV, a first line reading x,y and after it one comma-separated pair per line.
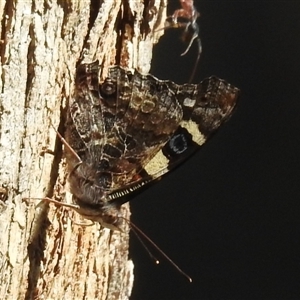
x,y
230,215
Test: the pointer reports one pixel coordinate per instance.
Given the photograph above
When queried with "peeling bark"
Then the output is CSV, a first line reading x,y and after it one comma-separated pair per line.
x,y
43,254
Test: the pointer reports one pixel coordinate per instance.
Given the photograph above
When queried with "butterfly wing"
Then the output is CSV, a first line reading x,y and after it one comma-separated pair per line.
x,y
132,129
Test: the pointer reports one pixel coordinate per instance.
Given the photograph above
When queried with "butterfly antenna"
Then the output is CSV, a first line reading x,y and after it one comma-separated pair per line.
x,y
139,231
66,144
144,245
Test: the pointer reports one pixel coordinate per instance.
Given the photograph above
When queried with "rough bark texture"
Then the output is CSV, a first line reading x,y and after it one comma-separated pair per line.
x,y
43,254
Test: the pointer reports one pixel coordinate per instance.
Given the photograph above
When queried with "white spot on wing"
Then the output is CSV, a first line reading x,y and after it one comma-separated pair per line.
x,y
189,102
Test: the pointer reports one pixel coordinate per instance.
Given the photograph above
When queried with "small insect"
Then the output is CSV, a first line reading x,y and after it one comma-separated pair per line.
x,y
189,14
127,131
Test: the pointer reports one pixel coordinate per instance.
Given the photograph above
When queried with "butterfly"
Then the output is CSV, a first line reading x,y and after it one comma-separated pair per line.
x,y
127,131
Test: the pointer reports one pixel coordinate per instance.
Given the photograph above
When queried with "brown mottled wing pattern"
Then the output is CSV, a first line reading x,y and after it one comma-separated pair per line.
x,y
152,115
205,107
132,128
121,123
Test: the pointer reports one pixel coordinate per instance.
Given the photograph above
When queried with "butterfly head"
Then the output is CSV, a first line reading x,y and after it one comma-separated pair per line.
x,y
111,218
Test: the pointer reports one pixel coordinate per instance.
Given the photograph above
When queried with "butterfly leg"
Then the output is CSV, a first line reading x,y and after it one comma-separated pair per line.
x,y
68,147
58,203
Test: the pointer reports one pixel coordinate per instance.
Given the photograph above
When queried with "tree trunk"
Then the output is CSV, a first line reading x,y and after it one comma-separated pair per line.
x,y
43,254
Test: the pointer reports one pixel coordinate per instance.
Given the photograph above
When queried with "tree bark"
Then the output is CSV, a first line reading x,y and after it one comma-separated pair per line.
x,y
43,254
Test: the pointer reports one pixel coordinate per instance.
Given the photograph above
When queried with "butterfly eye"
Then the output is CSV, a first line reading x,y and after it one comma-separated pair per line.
x,y
110,217
108,88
